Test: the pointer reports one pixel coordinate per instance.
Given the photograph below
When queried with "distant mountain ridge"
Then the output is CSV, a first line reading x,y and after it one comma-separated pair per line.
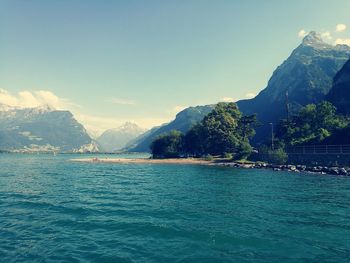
x,y
183,121
306,75
42,129
116,139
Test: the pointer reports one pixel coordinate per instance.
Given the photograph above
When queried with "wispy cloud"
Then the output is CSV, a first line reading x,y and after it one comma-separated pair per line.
x,y
228,99
302,33
97,124
176,109
179,108
342,41
31,99
93,123
250,95
326,35
121,101
340,27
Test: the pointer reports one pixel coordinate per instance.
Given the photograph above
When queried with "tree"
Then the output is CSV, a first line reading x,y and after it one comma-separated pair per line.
x,y
195,141
246,126
313,124
276,156
168,145
224,130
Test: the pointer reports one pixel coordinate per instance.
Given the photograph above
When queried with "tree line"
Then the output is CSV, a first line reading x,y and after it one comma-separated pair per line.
x,y
227,132
223,131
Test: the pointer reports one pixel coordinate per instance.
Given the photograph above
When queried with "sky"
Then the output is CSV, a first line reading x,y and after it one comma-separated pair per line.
x,y
144,61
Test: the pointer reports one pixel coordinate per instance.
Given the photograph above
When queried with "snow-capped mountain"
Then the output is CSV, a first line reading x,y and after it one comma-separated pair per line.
x,y
116,139
40,129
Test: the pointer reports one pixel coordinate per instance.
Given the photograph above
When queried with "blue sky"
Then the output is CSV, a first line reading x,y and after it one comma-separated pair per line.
x,y
113,61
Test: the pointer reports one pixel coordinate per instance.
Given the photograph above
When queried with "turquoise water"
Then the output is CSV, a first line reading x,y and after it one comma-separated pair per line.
x,y
53,210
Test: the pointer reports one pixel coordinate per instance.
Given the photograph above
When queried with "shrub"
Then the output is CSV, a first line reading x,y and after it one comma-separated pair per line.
x,y
244,151
265,154
228,156
277,156
208,158
168,145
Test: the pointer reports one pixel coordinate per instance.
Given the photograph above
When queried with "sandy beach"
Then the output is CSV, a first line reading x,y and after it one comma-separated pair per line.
x,y
144,161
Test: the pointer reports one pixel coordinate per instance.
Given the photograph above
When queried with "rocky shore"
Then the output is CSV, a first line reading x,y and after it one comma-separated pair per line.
x,y
290,168
342,171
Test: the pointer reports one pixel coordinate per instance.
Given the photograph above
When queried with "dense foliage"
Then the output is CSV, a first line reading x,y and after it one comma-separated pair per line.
x,y
224,130
312,125
274,156
168,145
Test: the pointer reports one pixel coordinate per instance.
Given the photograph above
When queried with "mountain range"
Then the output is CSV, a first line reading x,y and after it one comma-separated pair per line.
x,y
306,76
116,139
42,129
314,71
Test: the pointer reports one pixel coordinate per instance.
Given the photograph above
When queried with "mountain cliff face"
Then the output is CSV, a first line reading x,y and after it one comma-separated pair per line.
x,y
339,95
116,139
40,129
183,122
306,75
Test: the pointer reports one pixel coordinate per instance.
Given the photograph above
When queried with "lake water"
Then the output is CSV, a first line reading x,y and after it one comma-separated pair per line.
x,y
54,210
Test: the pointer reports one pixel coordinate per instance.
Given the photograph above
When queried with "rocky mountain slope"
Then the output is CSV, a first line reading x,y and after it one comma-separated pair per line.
x,y
306,75
339,95
41,129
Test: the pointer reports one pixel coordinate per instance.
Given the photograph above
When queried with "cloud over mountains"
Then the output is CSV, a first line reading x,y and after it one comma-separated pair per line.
x,y
28,99
337,34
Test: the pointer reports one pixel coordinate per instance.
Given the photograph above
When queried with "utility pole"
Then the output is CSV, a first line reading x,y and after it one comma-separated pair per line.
x,y
287,105
272,139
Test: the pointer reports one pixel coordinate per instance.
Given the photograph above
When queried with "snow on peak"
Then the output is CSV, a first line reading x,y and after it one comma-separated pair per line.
x,y
5,107
38,109
44,108
314,39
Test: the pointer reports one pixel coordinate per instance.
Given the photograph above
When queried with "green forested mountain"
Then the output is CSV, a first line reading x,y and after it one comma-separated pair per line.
x,y
307,76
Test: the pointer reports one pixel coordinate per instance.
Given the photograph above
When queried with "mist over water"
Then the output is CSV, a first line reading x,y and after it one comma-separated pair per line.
x,y
53,210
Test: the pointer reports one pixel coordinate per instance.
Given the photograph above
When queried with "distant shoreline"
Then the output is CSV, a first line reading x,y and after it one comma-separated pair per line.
x,y
144,161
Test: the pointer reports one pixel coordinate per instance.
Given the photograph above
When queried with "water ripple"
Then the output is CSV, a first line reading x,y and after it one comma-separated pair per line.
x,y
53,210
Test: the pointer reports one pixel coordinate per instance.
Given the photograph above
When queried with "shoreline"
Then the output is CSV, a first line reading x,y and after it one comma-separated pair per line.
x,y
341,171
144,161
